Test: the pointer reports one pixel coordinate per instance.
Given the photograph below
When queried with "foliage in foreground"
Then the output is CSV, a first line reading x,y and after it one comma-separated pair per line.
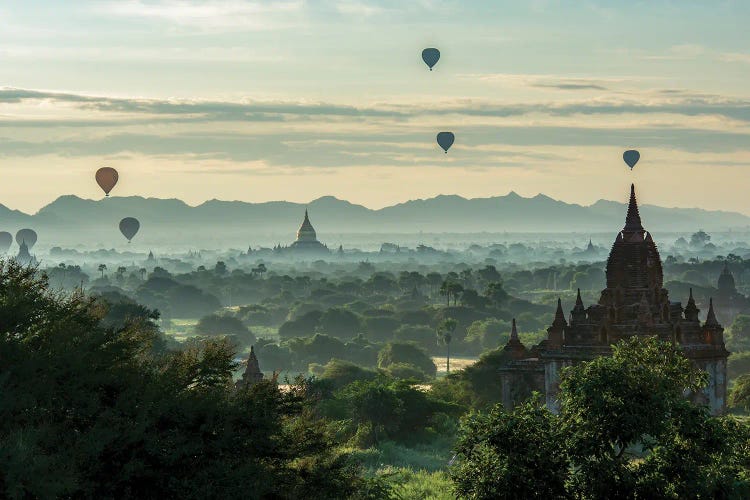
x,y
92,411
625,431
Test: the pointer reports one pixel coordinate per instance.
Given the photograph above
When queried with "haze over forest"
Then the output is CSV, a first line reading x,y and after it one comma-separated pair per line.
x,y
71,220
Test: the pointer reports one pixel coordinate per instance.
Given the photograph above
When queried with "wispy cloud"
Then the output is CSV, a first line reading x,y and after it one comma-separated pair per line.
x,y
735,57
210,14
673,101
559,82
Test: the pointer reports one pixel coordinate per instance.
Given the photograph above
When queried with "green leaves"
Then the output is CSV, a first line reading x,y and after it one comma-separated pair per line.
x,y
626,430
515,454
87,411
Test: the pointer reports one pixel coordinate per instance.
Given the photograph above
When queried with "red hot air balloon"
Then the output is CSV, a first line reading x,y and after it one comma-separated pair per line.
x,y
106,177
129,227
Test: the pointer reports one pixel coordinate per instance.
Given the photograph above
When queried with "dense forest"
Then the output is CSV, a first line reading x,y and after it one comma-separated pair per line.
x,y
381,381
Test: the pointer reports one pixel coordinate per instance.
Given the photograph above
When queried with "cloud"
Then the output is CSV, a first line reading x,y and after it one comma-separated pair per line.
x,y
360,9
735,57
210,14
558,82
671,101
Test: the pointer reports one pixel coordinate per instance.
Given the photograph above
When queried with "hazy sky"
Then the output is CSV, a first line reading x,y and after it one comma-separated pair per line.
x,y
293,100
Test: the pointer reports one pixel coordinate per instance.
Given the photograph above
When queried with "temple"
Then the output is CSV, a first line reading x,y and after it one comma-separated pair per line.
x,y
306,242
24,257
252,374
633,303
729,302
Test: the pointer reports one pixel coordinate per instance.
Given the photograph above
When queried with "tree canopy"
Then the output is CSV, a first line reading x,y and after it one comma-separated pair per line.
x,y
90,411
625,430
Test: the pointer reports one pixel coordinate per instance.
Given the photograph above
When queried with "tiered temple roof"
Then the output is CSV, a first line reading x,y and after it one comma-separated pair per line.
x,y
634,302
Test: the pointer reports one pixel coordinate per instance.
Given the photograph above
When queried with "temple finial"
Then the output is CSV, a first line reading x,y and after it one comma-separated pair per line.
x,y
633,219
514,331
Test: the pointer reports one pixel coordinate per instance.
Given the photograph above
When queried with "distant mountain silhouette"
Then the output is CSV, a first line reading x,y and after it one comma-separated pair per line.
x,y
215,223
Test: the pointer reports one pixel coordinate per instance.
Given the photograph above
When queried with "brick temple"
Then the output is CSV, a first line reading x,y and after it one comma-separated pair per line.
x,y
634,302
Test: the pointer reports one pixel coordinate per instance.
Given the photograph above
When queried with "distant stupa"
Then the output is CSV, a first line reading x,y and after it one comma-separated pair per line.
x,y
24,257
307,240
252,374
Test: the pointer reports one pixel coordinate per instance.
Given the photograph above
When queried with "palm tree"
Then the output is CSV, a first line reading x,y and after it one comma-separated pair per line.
x,y
445,291
142,272
120,273
102,268
445,334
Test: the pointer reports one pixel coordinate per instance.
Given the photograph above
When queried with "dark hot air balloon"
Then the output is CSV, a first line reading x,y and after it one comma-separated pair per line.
x,y
129,227
27,236
107,177
431,56
6,240
631,157
445,140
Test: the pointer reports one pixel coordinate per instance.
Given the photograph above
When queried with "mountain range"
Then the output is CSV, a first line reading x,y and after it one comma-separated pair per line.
x,y
71,220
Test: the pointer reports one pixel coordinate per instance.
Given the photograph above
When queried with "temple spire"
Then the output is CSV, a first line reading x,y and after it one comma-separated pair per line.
x,y
514,331
633,219
579,301
711,316
559,315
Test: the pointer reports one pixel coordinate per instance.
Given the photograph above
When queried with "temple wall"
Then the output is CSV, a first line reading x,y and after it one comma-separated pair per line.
x,y
716,391
552,369
506,397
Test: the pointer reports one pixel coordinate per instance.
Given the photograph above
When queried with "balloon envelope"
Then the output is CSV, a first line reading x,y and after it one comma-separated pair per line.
x,y
27,236
107,177
129,227
431,56
6,240
631,157
445,140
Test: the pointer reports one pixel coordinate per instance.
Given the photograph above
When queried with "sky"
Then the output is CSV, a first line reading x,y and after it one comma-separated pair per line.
x,y
293,100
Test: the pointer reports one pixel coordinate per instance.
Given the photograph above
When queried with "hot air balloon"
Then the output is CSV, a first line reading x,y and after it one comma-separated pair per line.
x,y
430,57
445,140
106,177
631,157
27,236
6,240
129,227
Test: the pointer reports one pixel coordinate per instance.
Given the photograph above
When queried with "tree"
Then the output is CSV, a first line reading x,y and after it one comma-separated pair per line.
x,y
214,324
91,412
740,395
421,335
260,270
738,338
488,334
410,354
434,280
626,429
450,289
220,268
120,273
383,408
340,322
501,455
445,335
699,239
489,274
497,294
102,269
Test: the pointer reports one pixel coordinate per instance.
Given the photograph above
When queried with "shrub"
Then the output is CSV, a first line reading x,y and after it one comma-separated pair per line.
x,y
401,352
214,324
